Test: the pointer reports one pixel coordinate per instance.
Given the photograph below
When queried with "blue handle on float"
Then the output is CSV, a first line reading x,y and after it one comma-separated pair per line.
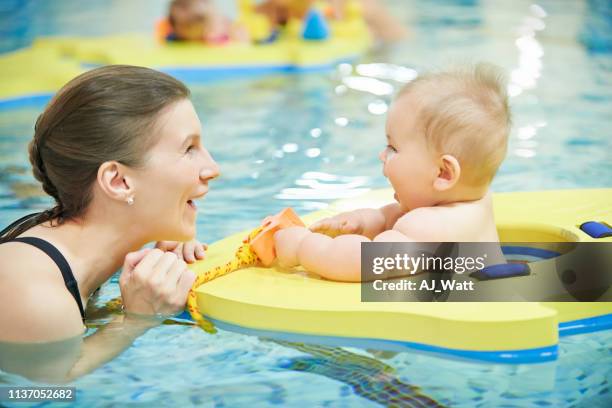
x,y
315,26
500,271
596,229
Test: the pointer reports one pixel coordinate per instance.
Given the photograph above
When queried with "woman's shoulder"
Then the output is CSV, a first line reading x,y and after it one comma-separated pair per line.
x,y
19,260
34,302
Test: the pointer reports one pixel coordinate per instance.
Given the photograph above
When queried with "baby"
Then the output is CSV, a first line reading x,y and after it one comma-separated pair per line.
x,y
199,20
446,137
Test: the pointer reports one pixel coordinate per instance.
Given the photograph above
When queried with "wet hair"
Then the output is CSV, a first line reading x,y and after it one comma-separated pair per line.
x,y
106,114
464,112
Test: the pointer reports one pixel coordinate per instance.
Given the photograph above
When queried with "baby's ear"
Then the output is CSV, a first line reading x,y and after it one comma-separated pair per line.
x,y
449,171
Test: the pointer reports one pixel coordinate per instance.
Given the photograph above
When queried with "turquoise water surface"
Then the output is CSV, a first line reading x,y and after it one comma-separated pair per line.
x,y
305,140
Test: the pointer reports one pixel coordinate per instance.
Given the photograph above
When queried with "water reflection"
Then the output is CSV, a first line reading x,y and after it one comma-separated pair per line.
x,y
529,69
387,71
324,186
371,85
366,376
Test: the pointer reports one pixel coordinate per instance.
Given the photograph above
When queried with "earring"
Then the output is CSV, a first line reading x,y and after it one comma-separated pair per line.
x,y
130,200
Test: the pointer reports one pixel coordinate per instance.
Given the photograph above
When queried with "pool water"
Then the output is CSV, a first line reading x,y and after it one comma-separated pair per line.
x,y
305,140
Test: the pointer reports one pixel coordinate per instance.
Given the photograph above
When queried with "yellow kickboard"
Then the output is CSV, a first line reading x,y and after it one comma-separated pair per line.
x,y
143,50
294,301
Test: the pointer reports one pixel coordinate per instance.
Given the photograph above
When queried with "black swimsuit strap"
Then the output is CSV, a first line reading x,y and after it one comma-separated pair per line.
x,y
61,263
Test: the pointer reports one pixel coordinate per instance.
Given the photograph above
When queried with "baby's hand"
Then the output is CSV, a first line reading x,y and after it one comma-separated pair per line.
x,y
341,224
188,251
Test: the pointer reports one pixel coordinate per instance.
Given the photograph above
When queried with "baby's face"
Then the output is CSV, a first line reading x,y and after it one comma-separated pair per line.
x,y
407,162
192,24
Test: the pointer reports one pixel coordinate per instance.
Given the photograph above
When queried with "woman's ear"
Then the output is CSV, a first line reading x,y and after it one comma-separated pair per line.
x,y
449,171
114,182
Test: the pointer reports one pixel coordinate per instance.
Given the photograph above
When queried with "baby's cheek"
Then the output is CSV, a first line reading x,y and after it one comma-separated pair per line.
x,y
395,174
385,169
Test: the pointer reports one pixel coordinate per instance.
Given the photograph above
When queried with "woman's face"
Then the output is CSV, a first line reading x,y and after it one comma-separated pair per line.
x,y
176,174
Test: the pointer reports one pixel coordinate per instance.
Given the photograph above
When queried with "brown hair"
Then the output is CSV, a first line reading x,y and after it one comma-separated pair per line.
x,y
465,112
102,115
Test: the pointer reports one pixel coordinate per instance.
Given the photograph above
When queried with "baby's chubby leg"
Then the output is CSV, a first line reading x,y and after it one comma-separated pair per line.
x,y
332,258
300,246
287,242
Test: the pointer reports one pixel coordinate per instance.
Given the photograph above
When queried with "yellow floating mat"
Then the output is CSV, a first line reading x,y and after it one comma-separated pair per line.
x,y
34,73
189,59
300,306
42,69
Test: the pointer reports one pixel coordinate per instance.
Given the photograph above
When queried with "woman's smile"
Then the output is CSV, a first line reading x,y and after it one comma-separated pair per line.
x,y
192,204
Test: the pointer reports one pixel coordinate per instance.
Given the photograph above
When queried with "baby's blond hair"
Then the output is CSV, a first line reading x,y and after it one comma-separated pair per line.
x,y
465,113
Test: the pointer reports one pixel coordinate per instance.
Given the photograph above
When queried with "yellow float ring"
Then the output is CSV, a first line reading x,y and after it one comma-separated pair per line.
x,y
292,304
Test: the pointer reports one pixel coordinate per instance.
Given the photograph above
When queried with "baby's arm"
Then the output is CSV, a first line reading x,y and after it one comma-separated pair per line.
x,y
332,258
368,222
339,258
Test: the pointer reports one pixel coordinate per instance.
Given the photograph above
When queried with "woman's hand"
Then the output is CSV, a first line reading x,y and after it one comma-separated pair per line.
x,y
154,282
341,224
188,251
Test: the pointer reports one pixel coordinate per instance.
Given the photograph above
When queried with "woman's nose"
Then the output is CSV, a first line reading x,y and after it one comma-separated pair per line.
x,y
210,170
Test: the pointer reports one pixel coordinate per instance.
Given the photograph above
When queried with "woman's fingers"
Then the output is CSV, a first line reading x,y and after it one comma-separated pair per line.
x,y
200,250
185,282
161,269
159,282
167,245
174,273
170,291
189,249
131,260
143,269
193,250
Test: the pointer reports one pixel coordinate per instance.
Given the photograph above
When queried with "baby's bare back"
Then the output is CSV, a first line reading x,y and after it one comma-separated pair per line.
x,y
470,221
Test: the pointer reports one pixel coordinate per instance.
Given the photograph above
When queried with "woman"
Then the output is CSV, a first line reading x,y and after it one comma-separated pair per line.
x,y
119,150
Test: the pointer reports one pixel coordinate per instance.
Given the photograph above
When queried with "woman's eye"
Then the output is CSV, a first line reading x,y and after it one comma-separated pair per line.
x,y
190,148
